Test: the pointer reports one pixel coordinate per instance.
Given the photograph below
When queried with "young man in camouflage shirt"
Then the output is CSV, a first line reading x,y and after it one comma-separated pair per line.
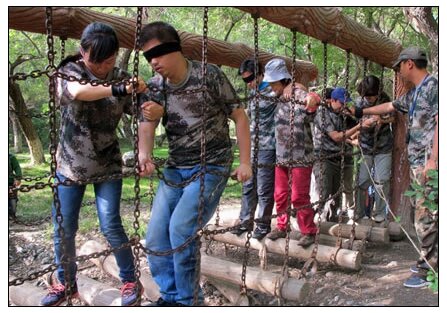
x,y
263,194
177,204
377,146
421,105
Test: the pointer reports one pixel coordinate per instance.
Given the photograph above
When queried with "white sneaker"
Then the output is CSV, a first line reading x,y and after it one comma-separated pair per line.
x,y
378,218
351,221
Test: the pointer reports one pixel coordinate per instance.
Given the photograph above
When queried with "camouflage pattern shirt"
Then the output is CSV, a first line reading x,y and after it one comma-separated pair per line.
x,y
422,121
375,140
327,121
266,133
302,144
88,145
183,115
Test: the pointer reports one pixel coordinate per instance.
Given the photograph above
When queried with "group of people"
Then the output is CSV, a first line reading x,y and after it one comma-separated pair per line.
x,y
194,181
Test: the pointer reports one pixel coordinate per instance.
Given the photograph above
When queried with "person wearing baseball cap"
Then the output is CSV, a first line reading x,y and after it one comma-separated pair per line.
x,y
294,150
329,133
421,105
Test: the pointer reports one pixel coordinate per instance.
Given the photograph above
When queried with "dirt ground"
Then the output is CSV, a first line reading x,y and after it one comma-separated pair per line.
x,y
378,283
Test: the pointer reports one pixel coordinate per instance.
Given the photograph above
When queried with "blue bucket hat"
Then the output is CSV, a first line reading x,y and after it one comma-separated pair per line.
x,y
341,95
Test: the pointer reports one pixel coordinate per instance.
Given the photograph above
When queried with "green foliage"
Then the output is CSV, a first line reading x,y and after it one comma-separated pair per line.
x,y
429,193
432,278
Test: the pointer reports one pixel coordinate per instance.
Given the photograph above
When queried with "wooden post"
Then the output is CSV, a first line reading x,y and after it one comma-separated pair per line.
x,y
343,258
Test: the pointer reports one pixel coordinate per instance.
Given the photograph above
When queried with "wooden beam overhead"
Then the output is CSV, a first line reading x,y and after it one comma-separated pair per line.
x,y
69,22
329,25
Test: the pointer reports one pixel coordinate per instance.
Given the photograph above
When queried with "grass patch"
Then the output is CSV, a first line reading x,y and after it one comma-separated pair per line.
x,y
36,204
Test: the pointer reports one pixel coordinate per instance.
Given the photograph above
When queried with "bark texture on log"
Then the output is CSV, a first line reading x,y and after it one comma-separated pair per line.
x,y
329,25
70,22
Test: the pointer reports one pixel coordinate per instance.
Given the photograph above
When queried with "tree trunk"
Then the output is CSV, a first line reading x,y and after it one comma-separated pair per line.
x,y
17,132
423,21
31,136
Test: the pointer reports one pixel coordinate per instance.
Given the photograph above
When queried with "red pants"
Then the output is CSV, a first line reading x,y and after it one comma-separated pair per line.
x,y
300,196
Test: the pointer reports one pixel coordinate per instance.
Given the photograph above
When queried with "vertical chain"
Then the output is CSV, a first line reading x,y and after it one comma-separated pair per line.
x,y
53,148
136,213
365,67
202,153
63,39
290,210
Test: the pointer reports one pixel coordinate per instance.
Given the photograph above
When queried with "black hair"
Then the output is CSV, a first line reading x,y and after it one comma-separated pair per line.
x,y
249,65
161,31
420,64
99,40
369,86
328,92
285,81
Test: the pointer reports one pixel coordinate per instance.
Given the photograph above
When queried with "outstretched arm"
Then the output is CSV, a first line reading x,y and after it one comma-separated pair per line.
x,y
243,172
146,135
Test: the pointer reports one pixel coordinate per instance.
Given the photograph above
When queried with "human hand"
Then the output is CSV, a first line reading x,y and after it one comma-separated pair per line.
x,y
312,101
152,111
287,92
370,121
147,167
141,86
17,182
242,173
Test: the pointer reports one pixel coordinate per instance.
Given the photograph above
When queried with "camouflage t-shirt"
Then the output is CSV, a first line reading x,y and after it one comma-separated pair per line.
x,y
375,140
302,144
88,145
422,121
183,115
266,133
327,121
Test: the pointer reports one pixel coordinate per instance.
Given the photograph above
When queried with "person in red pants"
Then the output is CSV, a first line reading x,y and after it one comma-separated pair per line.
x,y
294,151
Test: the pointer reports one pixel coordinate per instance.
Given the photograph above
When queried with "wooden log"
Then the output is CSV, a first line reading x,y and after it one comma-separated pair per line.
x,y
375,234
25,294
70,22
256,279
344,258
330,25
108,264
292,289
395,231
331,241
95,293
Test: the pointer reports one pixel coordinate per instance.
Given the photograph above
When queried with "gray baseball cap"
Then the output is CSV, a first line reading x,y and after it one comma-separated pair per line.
x,y
276,70
411,53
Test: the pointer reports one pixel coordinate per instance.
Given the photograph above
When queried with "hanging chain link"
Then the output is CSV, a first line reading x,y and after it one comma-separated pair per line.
x,y
136,140
202,155
53,147
63,39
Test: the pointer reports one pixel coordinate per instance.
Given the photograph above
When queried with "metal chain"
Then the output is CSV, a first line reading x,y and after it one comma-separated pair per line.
x,y
136,212
63,39
53,146
204,112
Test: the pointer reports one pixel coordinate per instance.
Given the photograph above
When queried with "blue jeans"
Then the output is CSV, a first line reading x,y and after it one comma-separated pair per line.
x,y
108,195
173,220
264,193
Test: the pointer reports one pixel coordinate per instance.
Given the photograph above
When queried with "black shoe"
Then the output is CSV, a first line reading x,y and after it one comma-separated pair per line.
x,y
162,302
260,233
306,240
240,230
277,233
